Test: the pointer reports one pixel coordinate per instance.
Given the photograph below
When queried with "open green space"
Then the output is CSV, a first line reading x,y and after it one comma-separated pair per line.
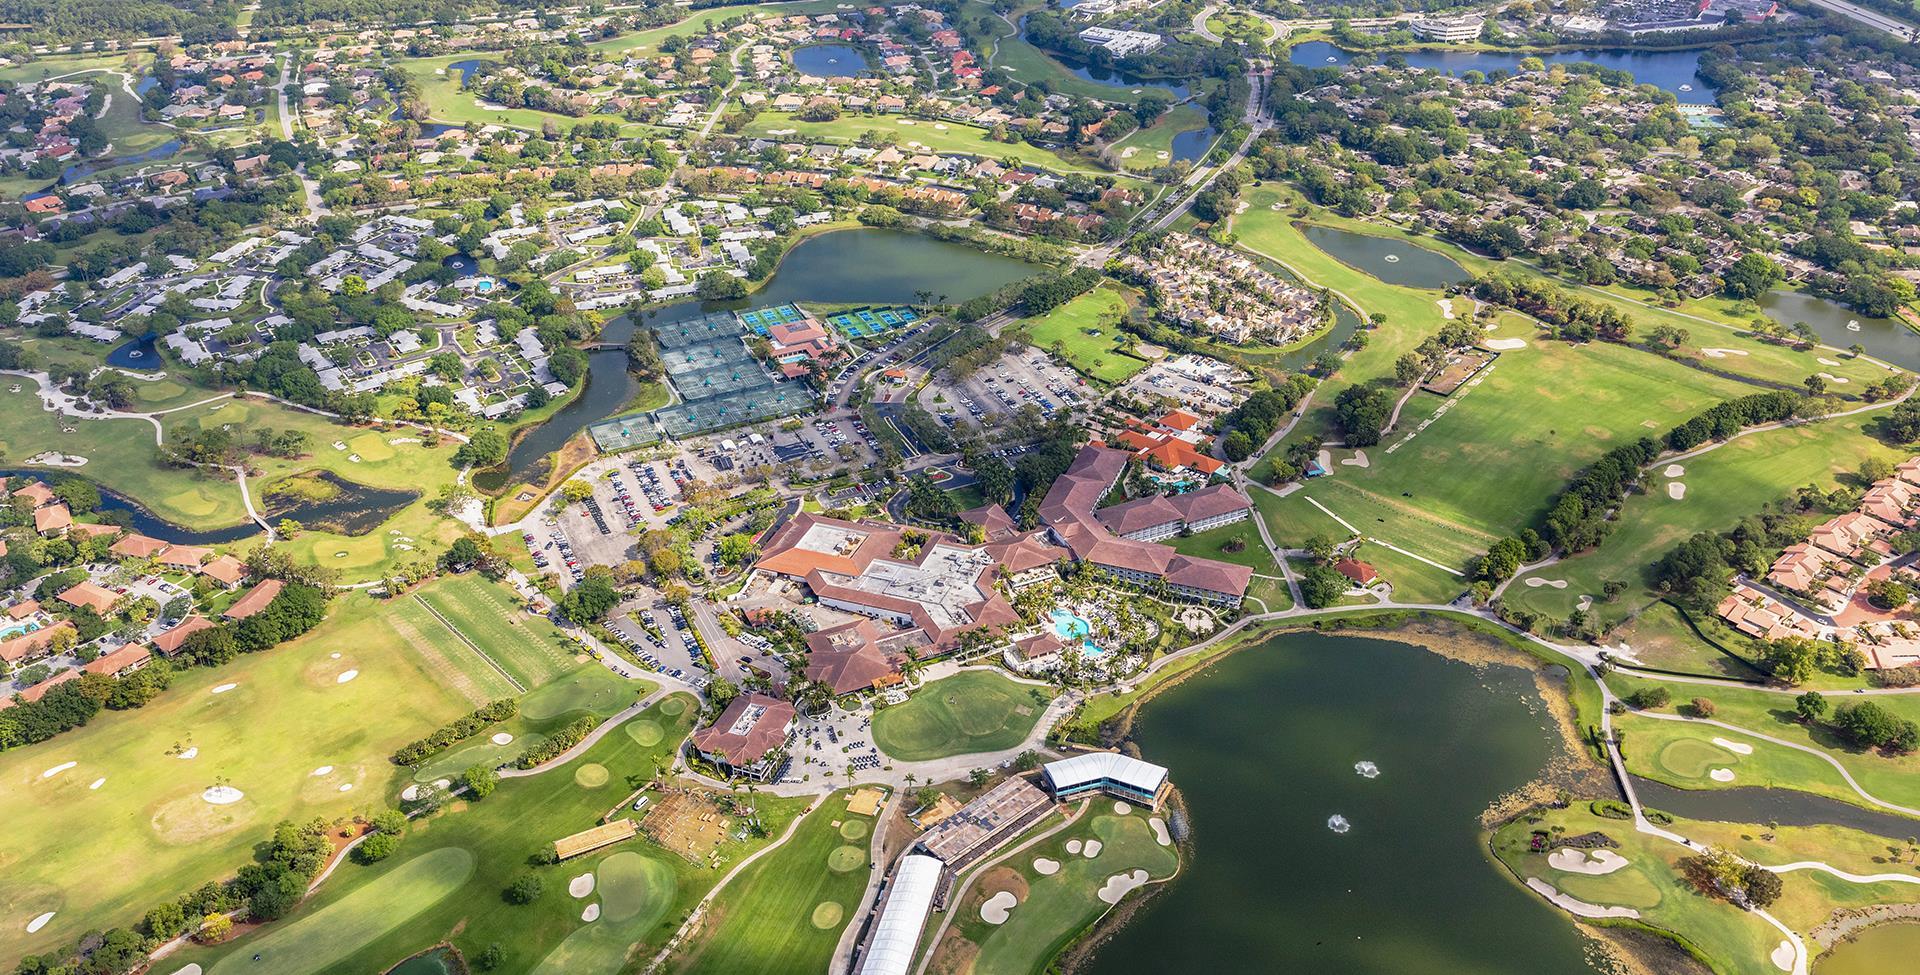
x,y
923,134
1153,146
1030,64
1054,909
1413,581
287,715
526,646
1086,332
1271,591
769,919
1237,543
1661,637
1239,25
1724,485
972,711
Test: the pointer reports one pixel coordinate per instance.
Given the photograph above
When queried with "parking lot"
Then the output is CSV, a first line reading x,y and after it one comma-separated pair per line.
x,y
660,638
1029,376
1199,384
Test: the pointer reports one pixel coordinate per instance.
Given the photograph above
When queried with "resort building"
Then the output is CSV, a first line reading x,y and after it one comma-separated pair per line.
x,y
1121,43
893,938
748,736
1165,516
1106,773
1449,30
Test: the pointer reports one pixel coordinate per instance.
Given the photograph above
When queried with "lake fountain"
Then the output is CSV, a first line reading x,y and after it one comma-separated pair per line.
x,y
1366,770
1338,823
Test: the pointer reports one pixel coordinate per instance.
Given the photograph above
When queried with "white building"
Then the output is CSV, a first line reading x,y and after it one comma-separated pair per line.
x,y
1121,43
1449,30
908,899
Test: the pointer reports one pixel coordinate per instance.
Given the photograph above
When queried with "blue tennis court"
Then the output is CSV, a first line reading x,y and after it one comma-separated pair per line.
x,y
862,322
763,319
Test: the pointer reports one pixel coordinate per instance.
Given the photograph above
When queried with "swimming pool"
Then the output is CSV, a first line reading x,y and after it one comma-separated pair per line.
x,y
1073,628
12,630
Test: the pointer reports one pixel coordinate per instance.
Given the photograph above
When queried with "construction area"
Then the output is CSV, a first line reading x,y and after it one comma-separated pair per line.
x,y
687,824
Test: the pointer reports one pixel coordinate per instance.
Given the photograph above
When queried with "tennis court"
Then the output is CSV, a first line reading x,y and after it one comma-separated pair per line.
x,y
719,381
760,321
862,322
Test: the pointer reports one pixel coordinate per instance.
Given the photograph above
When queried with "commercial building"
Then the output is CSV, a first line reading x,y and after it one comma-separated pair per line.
x,y
1449,30
1165,516
1106,773
981,826
1122,43
747,738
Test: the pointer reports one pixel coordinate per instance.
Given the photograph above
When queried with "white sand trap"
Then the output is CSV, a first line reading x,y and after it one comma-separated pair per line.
x,y
1045,867
502,738
1584,603
1535,582
335,656
1823,360
189,754
347,676
442,783
994,911
39,922
97,783
1160,834
1838,380
1722,353
1676,490
193,969
223,795
346,787
1504,345
1736,747
905,121
592,913
937,125
1784,956
1446,307
1675,470
1092,849
57,769
1073,846
410,793
322,770
397,441
1579,908
223,688
1581,861
580,886
1128,152
1721,775
1120,884
1121,809
1325,459
1359,459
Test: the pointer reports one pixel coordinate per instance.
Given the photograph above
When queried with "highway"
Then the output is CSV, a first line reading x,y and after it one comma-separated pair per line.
x,y
1872,18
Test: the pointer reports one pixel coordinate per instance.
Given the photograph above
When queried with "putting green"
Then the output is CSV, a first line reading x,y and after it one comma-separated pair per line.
x,y
972,711
371,447
1691,758
827,915
645,732
854,829
314,941
632,885
673,705
845,858
591,776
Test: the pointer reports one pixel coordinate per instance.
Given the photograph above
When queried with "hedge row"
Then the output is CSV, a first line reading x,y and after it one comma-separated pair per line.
x,y
447,735
562,740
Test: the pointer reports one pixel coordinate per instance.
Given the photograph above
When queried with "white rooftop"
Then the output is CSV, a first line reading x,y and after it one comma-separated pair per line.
x,y
1094,766
898,930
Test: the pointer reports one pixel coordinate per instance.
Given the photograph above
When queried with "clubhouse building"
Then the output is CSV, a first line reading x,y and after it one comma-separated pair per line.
x,y
923,590
749,738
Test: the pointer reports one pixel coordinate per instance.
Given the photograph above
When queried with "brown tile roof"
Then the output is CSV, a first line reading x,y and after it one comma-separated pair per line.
x,y
38,691
225,569
185,556
1138,515
37,492
849,657
254,601
992,519
23,609
92,530
755,740
1360,572
30,644
865,543
1209,574
169,642
133,656
91,595
52,518
138,547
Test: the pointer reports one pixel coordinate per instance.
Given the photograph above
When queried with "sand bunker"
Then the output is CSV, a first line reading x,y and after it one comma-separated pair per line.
x,y
1160,834
1092,849
580,886
322,770
1721,775
1839,380
1579,908
592,913
1045,867
442,783
347,676
1446,307
1584,603
1535,582
1736,747
57,769
1823,360
336,656
223,688
503,739
222,795
410,793
1675,470
189,754
1120,884
994,911
346,787
1581,861
1784,956
1120,809
1073,846
1359,459
97,783
193,969
39,922
1721,353
1676,490
1504,345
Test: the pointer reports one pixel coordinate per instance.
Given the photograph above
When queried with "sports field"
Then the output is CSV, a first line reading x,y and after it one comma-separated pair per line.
x,y
784,915
294,737
972,711
1085,332
1723,486
1050,910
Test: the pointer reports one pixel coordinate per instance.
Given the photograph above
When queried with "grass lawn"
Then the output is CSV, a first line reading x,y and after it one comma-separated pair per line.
x,y
448,102
1413,581
1086,336
286,716
1153,145
1660,637
525,646
1730,940
1237,543
1893,778
1272,593
786,912
1238,25
951,137
1052,910
1809,897
972,711
1723,486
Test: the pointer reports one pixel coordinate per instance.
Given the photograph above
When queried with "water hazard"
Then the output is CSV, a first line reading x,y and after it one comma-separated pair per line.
x,y
1673,71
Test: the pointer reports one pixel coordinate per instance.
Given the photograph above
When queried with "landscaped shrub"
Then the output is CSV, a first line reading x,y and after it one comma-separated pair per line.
x,y
561,740
455,731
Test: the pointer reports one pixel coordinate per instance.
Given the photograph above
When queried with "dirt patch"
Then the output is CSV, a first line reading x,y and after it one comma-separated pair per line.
x,y
1003,878
954,956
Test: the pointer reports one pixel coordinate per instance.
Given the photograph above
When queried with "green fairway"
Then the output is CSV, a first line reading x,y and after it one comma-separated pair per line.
x,y
1152,146
1086,332
287,717
922,134
972,711
1723,486
1237,543
526,646
635,892
1413,581
1030,64
1053,910
768,919
314,940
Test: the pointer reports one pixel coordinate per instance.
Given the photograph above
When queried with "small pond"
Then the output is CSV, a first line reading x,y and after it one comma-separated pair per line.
x,y
80,171
351,509
1674,71
465,68
1192,144
1393,261
830,61
141,353
1842,327
438,961
1756,804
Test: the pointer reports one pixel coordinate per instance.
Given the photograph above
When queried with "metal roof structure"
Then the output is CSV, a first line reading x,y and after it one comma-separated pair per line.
x,y
897,934
1111,766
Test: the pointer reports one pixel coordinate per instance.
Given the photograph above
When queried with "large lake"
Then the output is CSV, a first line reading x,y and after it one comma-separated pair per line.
x,y
860,265
1674,71
1263,748
1391,260
1841,327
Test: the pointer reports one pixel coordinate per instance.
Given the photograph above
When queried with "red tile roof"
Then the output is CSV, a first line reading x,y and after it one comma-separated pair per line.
x,y
169,642
753,741
133,656
254,601
89,594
